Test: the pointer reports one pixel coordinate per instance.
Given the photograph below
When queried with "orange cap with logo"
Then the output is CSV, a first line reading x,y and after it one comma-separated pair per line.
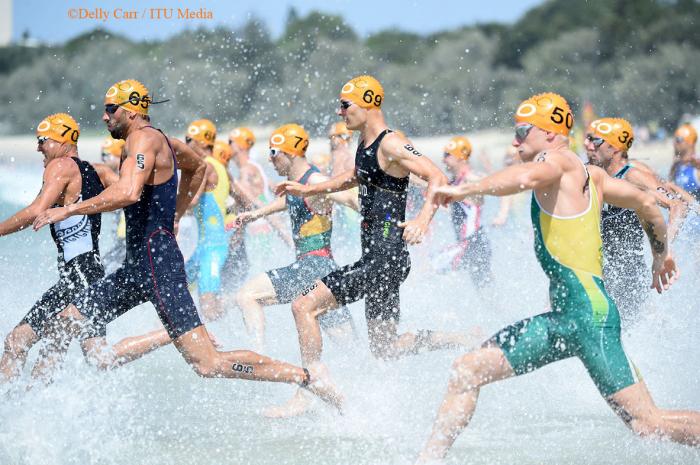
x,y
222,151
131,95
615,131
202,130
687,132
243,137
60,127
340,129
548,111
460,147
364,91
291,139
112,146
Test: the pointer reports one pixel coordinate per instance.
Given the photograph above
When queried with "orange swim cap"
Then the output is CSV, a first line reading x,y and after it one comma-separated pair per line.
x,y
202,130
60,127
460,147
291,139
222,151
364,91
130,94
547,111
113,147
687,132
615,131
243,137
340,129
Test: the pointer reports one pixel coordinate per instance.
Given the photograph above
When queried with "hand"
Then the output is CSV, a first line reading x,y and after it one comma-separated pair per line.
x,y
664,272
414,231
291,187
176,226
445,195
50,216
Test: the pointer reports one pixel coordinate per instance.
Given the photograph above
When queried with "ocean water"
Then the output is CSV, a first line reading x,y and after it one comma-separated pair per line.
x,y
157,411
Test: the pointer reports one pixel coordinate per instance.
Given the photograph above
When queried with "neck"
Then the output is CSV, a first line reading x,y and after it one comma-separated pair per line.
x,y
616,164
688,156
373,127
134,125
242,158
298,168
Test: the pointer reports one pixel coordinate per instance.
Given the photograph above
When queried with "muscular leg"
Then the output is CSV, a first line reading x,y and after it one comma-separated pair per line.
x,y
59,333
469,373
104,356
306,308
251,298
198,350
636,408
17,346
385,342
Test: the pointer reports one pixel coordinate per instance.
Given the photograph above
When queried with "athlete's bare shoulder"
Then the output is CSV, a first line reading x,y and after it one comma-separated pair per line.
x,y
62,166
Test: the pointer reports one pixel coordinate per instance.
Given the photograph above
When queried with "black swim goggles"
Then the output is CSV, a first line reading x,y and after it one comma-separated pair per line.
x,y
41,139
275,152
596,141
345,104
522,131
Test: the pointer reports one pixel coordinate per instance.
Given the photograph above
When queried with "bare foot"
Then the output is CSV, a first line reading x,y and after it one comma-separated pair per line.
x,y
297,405
322,386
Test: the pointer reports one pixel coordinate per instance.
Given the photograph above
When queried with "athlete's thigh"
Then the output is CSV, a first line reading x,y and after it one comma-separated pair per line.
x,y
600,349
318,297
532,343
260,288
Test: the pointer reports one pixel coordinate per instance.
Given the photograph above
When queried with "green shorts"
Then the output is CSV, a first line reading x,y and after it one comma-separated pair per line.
x,y
535,342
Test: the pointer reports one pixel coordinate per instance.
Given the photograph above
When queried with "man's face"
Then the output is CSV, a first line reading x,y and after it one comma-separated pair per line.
x,y
336,141
354,116
115,117
681,146
529,140
451,162
599,152
49,148
281,162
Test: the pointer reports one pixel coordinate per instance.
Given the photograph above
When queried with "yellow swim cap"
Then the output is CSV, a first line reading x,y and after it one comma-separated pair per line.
x,y
222,151
243,137
687,132
60,127
547,111
131,95
340,129
364,91
291,139
113,147
460,147
202,130
615,131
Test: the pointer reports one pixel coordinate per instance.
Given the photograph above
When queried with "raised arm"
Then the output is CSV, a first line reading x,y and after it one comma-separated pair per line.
x,y
623,194
192,171
55,180
127,190
666,198
343,181
508,181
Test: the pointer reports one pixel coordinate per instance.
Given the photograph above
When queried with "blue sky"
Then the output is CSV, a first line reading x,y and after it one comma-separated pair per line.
x,y
49,21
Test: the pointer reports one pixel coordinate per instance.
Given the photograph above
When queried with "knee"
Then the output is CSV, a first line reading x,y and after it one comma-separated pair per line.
x,y
206,368
16,343
466,373
301,306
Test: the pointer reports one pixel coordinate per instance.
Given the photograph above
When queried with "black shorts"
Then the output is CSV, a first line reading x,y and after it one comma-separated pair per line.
x,y
375,277
159,279
290,281
74,277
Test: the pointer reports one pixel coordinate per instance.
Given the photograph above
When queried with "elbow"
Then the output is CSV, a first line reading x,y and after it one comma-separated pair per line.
x,y
527,181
